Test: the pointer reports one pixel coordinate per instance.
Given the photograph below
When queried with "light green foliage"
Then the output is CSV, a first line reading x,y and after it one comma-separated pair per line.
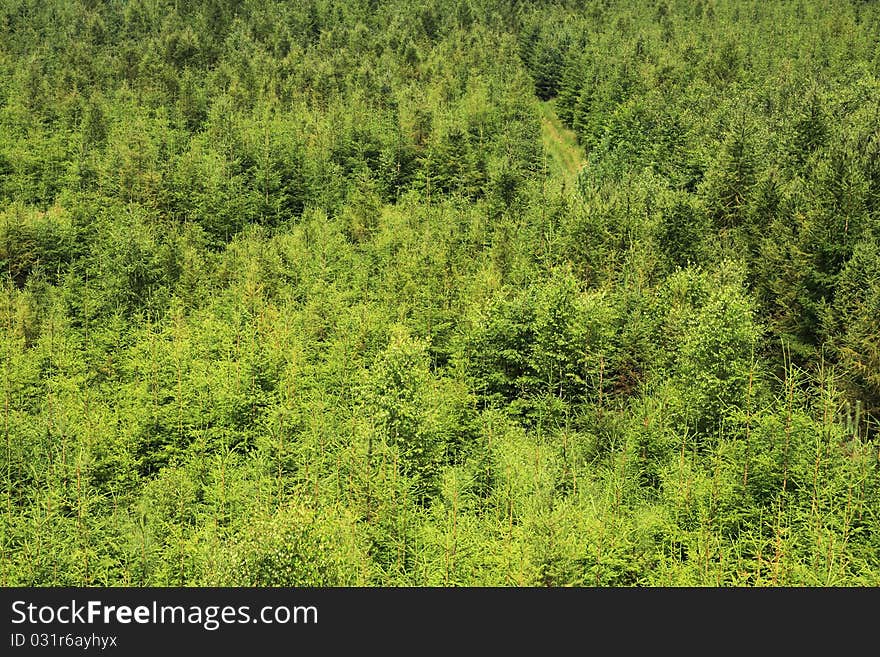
x,y
296,547
716,360
401,378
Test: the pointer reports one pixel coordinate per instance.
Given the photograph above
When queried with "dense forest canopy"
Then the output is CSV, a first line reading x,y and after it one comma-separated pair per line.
x,y
440,292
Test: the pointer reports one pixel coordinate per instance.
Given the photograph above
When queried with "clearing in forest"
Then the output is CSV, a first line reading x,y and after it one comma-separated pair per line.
x,y
562,152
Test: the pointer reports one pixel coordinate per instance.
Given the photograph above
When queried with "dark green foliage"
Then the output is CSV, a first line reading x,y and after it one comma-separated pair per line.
x,y
684,231
34,243
856,315
730,178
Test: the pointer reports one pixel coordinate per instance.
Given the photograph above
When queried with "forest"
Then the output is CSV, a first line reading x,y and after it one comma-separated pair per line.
x,y
440,293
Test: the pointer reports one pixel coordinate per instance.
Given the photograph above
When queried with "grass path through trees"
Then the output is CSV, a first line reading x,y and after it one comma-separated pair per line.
x,y
561,147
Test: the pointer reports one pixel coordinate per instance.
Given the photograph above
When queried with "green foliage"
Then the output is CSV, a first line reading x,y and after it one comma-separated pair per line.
x,y
716,357
35,243
296,547
328,294
683,232
857,311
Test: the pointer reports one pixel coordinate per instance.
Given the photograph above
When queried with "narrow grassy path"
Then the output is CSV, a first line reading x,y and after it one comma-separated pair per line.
x,y
564,154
